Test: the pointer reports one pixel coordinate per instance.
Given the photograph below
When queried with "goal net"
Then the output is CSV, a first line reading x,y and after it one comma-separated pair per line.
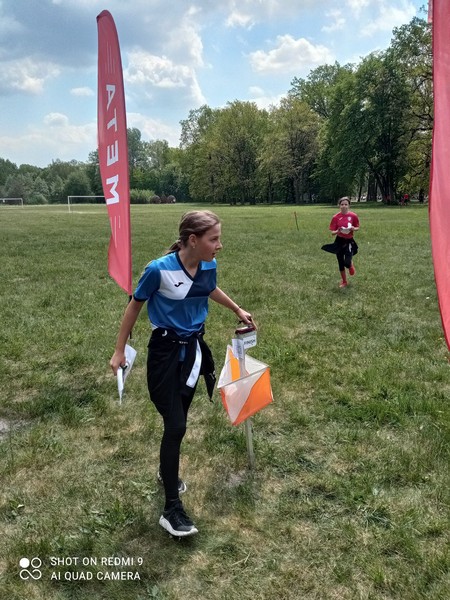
x,y
11,202
72,200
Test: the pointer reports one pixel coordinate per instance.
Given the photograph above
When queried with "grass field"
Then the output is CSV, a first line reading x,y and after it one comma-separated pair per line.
x,y
350,495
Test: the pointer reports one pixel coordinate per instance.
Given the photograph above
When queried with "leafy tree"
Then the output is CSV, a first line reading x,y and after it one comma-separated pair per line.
x,y
60,168
93,173
342,164
195,161
204,168
6,168
19,186
329,182
77,184
233,151
376,118
136,149
379,115
137,158
156,157
174,178
194,128
326,91
32,170
290,148
56,191
411,47
156,154
366,133
39,193
318,89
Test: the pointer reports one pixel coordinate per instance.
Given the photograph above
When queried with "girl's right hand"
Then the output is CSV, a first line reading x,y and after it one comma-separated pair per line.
x,y
117,361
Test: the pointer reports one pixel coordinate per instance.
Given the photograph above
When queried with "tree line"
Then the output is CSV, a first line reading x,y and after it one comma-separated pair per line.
x,y
362,130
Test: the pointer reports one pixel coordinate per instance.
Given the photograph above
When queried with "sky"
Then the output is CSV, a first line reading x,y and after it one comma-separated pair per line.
x,y
177,55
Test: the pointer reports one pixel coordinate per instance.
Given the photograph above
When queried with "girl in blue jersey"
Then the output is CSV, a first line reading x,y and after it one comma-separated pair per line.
x,y
177,288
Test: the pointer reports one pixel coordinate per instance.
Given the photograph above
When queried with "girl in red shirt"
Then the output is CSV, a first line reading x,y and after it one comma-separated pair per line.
x,y
343,225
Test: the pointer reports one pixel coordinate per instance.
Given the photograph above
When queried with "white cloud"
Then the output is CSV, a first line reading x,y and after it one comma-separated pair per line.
x,y
158,71
56,138
183,43
389,17
150,72
247,13
82,91
338,23
254,90
356,6
64,133
154,129
26,75
262,100
290,55
56,120
238,18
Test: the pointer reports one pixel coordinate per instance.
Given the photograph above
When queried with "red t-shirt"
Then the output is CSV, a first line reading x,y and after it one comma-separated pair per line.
x,y
340,220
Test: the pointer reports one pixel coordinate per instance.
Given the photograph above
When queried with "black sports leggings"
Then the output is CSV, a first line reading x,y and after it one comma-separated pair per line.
x,y
344,253
172,404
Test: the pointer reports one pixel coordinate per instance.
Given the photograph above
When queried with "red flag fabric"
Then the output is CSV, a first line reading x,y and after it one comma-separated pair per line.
x,y
439,205
113,150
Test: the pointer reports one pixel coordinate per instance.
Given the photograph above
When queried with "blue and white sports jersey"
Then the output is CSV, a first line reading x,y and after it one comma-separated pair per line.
x,y
175,300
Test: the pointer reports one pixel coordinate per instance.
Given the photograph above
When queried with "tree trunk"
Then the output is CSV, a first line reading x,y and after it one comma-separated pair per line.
x,y
371,189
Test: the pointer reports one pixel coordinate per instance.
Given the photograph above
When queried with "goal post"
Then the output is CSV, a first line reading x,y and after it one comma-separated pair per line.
x,y
11,202
71,200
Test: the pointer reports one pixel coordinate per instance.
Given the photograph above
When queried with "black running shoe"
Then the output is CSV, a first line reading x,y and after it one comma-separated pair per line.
x,y
176,522
182,487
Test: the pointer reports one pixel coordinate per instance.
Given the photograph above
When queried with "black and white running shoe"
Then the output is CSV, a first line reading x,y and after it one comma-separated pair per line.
x,y
176,522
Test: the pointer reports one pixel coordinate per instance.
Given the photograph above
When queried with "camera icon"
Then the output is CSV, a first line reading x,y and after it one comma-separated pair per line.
x,y
30,569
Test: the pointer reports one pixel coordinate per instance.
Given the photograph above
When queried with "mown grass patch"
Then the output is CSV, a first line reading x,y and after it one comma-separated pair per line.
x,y
349,498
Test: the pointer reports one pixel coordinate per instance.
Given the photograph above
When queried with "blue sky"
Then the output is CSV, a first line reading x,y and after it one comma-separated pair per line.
x,y
176,56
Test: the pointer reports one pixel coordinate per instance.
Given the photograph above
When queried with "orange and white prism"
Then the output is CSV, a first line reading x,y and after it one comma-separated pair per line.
x,y
243,396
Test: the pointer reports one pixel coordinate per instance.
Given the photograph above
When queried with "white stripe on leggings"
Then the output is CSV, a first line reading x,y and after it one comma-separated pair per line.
x,y
195,372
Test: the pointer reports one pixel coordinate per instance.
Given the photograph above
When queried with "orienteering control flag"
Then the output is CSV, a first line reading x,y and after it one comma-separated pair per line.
x,y
243,396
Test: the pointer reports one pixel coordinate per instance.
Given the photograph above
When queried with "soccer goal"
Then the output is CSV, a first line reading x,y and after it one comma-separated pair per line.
x,y
11,202
71,200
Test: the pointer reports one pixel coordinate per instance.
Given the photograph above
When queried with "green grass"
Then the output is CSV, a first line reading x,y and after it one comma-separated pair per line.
x,y
349,498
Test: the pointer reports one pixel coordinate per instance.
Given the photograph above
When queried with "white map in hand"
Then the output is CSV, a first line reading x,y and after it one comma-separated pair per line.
x,y
123,372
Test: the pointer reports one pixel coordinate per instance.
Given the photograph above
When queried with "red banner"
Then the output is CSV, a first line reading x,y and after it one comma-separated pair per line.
x,y
440,165
113,150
